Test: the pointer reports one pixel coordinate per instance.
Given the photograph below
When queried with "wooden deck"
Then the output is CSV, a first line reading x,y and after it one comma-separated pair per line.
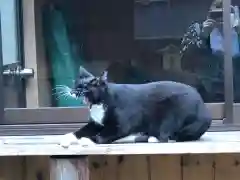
x,y
211,142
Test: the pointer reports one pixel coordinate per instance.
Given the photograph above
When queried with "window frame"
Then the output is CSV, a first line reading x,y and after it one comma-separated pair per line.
x,y
228,65
51,120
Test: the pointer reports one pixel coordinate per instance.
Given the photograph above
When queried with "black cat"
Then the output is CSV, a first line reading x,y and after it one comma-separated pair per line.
x,y
166,110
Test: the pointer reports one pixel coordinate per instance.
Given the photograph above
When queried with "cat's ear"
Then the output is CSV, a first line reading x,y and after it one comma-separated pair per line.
x,y
104,76
83,73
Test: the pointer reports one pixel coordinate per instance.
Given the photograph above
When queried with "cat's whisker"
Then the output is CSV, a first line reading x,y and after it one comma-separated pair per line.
x,y
61,96
63,91
70,95
57,97
59,93
66,95
60,88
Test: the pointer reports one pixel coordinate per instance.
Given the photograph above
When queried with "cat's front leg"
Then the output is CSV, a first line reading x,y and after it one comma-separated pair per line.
x,y
109,135
79,137
107,139
68,139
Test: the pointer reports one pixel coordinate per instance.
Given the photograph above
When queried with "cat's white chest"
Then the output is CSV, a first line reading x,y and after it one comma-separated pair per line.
x,y
97,113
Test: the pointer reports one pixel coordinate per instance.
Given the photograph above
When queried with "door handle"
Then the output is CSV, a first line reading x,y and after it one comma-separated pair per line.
x,y
22,73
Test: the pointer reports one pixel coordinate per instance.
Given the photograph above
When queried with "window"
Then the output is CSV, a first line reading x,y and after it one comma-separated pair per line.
x,y
136,41
11,56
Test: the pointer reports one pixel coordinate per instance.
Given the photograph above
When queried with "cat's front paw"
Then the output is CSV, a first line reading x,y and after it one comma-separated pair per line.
x,y
152,139
85,142
68,139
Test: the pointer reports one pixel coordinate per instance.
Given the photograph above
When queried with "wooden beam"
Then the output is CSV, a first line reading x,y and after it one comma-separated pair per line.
x,y
63,128
216,110
46,115
123,149
38,90
30,54
73,114
81,114
69,168
210,143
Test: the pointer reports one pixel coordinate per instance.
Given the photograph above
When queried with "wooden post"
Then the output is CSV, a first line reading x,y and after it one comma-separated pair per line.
x,y
69,168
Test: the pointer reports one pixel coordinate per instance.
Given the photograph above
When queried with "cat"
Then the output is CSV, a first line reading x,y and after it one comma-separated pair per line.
x,y
165,110
96,114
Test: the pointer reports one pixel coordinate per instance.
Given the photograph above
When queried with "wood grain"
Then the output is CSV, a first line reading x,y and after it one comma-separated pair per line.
x,y
166,167
198,167
66,169
227,166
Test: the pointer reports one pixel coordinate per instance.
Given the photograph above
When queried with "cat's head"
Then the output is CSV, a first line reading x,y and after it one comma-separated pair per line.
x,y
89,86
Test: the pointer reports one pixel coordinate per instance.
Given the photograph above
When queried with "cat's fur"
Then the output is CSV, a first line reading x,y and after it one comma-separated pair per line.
x,y
166,110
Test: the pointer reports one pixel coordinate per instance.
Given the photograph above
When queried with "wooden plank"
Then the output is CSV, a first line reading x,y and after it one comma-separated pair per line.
x,y
198,167
38,90
46,115
130,167
37,168
68,114
12,168
44,97
39,129
140,166
217,110
227,166
30,51
211,142
121,149
72,168
233,136
63,128
166,167
236,113
124,168
96,167
75,114
110,168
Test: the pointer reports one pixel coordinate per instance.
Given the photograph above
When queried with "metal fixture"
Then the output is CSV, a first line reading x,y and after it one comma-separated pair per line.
x,y
22,73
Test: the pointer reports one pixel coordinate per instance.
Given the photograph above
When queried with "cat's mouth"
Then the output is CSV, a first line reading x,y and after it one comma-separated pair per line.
x,y
85,99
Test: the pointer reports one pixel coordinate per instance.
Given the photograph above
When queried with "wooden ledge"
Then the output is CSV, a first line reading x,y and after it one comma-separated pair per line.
x,y
211,142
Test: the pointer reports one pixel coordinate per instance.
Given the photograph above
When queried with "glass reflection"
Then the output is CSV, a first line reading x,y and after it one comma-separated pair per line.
x,y
138,41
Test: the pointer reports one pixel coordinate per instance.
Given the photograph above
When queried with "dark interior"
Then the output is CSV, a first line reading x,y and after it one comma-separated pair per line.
x,y
131,40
